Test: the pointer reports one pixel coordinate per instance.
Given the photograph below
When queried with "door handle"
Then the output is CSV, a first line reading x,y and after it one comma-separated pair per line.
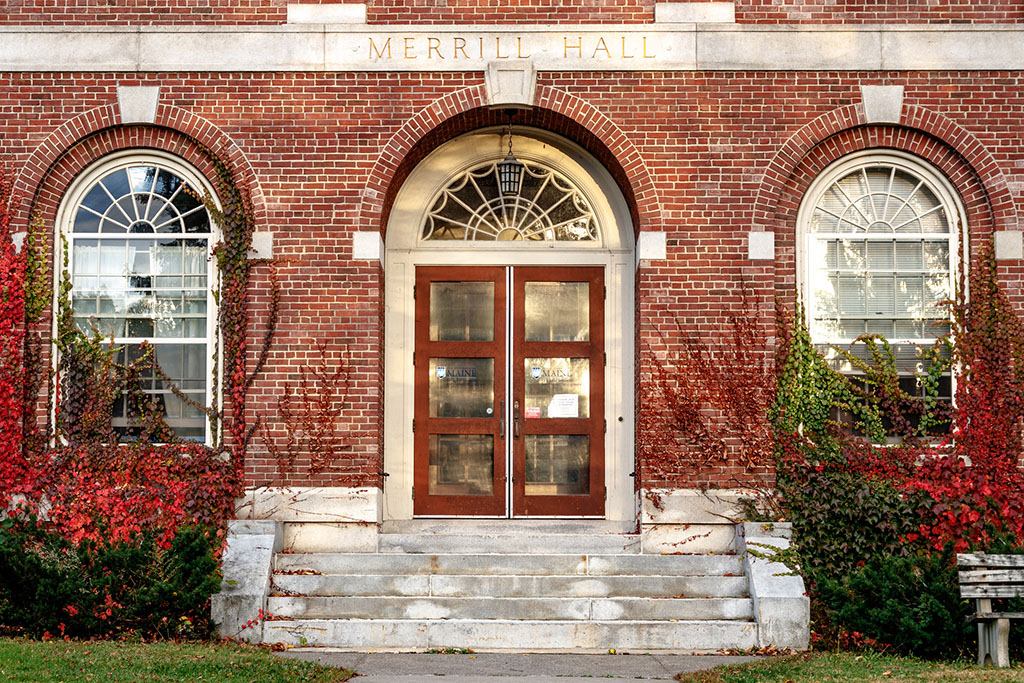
x,y
501,422
515,419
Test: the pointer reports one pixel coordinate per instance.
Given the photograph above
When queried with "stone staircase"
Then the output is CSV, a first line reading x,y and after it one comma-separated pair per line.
x,y
534,586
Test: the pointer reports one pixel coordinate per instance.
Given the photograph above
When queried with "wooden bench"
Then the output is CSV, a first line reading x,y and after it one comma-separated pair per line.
x,y
988,577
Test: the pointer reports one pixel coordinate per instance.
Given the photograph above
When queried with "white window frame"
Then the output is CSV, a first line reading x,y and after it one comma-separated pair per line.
x,y
67,211
935,181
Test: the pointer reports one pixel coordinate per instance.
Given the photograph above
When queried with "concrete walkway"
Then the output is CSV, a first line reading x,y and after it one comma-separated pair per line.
x,y
386,667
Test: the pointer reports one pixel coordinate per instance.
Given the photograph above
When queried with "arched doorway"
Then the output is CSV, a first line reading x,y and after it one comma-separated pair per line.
x,y
509,336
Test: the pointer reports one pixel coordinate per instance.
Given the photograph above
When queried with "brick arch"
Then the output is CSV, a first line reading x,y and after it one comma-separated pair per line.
x,y
916,122
981,219
45,176
555,110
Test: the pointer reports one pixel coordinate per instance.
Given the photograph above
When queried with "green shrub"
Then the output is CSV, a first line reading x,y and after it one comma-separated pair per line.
x,y
911,603
843,519
49,586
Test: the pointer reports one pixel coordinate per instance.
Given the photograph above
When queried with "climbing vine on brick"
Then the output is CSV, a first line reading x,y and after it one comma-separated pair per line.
x,y
236,219
865,469
310,411
12,334
92,483
702,402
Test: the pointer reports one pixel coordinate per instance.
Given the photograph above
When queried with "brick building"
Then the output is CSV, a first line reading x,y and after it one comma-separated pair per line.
x,y
671,156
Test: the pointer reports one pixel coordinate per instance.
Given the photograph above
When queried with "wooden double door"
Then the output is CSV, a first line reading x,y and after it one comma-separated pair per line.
x,y
509,392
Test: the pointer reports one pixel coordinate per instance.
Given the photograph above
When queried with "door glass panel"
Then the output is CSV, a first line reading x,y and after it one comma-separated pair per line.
x,y
557,311
461,311
557,387
461,387
557,464
461,464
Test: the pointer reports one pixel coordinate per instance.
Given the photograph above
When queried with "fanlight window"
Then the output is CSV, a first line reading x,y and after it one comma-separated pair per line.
x,y
880,241
547,208
140,270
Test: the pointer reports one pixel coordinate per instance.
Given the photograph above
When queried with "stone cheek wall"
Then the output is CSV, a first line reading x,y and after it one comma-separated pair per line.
x,y
705,157
235,12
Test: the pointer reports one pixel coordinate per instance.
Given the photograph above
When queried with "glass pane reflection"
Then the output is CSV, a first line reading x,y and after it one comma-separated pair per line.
x,y
557,387
461,311
557,464
185,366
461,464
557,311
461,387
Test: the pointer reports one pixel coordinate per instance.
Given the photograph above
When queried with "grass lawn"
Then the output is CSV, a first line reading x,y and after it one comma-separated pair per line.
x,y
70,662
828,666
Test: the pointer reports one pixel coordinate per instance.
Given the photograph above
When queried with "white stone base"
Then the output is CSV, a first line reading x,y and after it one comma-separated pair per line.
x,y
247,566
781,606
336,504
330,537
689,520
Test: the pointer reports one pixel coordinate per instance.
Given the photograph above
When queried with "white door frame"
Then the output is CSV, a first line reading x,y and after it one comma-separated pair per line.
x,y
405,251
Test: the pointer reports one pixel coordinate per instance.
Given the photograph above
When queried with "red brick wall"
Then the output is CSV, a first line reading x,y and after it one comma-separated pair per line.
x,y
228,12
874,12
324,153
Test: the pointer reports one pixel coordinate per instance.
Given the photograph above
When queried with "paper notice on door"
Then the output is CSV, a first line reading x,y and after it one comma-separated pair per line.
x,y
532,411
564,405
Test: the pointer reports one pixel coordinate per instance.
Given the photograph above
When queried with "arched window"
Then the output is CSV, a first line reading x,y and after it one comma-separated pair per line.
x,y
139,247
547,208
880,242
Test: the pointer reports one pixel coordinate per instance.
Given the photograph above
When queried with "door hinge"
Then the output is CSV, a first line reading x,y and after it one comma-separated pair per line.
x,y
606,358
414,292
414,425
414,493
606,425
606,493
604,291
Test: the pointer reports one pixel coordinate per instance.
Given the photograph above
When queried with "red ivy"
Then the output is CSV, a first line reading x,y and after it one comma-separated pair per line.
x,y
112,492
14,470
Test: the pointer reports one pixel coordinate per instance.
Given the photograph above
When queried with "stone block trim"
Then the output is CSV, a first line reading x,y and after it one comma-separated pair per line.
x,y
138,103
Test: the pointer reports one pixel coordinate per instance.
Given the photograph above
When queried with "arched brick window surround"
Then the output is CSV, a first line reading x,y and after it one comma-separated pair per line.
x,y
555,110
952,148
956,153
49,170
46,175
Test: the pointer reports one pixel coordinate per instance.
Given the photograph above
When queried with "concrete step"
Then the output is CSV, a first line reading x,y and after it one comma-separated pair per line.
x,y
592,565
510,586
538,609
506,527
529,544
500,634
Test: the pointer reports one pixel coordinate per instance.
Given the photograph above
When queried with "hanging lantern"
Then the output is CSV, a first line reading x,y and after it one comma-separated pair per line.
x,y
510,171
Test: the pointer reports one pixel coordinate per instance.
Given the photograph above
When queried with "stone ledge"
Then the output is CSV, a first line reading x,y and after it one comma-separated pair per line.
x,y
247,566
781,606
632,47
310,504
690,506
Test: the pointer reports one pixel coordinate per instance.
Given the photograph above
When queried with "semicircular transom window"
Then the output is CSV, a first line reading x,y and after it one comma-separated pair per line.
x,y
547,208
880,245
140,246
